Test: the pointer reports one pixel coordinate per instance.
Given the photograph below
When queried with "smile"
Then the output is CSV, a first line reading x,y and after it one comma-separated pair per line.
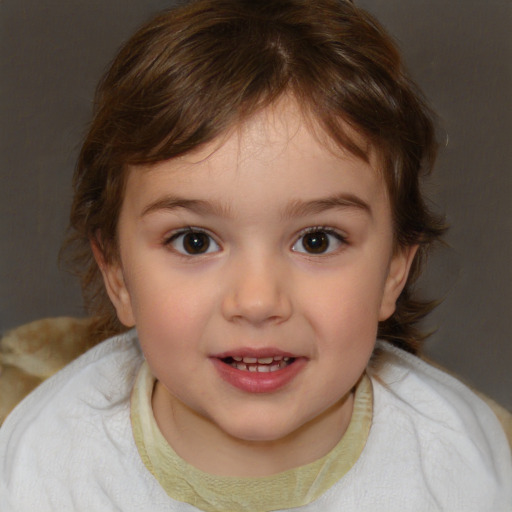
x,y
253,372
259,364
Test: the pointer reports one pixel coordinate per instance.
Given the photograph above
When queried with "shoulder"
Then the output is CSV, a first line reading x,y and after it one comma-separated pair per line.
x,y
77,418
103,374
416,386
431,420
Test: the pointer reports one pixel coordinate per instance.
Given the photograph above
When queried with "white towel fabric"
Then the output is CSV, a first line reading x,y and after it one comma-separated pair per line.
x,y
433,444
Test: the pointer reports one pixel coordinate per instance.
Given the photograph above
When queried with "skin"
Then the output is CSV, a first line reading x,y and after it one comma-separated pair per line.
x,y
263,284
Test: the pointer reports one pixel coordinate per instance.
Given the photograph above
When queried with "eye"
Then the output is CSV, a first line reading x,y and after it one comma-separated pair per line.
x,y
318,241
193,242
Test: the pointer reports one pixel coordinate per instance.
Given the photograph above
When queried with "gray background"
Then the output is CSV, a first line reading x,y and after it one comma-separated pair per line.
x,y
460,51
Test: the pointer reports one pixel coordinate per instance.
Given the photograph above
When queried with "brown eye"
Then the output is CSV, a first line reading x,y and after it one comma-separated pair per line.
x,y
319,241
193,243
316,242
196,243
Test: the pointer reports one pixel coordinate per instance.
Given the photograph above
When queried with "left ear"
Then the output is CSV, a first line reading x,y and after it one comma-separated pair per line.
x,y
397,277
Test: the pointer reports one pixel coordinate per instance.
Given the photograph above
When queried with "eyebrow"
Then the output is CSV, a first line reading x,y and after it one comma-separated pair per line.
x,y
299,208
198,206
296,208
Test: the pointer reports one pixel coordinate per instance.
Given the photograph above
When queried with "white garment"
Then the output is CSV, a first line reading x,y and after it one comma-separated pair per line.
x,y
433,444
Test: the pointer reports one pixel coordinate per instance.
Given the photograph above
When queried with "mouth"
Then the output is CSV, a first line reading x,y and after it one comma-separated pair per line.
x,y
258,364
259,371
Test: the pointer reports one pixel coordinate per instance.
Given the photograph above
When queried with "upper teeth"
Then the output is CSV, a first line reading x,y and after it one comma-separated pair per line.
x,y
259,360
260,364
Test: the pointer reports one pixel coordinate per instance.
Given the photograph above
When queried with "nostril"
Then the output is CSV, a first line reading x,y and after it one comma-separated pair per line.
x,y
256,295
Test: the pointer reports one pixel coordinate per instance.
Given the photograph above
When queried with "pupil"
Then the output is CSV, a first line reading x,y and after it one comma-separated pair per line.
x,y
317,242
196,243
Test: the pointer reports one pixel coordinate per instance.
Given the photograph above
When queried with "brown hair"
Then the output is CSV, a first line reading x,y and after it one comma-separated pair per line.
x,y
194,71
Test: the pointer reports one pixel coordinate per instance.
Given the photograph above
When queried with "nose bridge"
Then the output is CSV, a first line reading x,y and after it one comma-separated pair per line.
x,y
257,291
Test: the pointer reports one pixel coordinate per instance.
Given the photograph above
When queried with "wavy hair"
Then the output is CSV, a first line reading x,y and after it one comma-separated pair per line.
x,y
194,71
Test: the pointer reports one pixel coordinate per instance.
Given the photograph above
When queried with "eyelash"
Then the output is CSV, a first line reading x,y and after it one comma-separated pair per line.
x,y
314,230
330,232
170,240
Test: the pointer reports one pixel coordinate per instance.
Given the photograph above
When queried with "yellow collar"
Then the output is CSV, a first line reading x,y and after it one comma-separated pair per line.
x,y
211,493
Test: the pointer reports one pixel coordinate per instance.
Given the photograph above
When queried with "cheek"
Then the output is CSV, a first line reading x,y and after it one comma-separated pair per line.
x,y
347,302
170,312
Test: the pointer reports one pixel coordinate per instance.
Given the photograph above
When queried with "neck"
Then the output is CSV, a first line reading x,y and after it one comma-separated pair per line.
x,y
201,443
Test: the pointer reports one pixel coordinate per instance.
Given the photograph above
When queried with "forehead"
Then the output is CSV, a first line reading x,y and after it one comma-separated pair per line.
x,y
279,148
282,125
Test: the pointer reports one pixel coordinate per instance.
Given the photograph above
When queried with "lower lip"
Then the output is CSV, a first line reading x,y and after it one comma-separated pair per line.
x,y
255,382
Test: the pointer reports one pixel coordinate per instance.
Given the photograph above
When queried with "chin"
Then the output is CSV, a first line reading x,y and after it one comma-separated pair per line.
x,y
258,431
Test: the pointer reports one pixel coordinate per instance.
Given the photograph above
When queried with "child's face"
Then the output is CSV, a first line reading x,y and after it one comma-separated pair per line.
x,y
263,245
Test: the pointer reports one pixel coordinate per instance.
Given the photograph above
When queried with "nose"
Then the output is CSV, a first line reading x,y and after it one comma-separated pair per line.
x,y
257,292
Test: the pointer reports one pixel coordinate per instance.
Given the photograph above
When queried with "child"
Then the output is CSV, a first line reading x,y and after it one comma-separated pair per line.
x,y
248,194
